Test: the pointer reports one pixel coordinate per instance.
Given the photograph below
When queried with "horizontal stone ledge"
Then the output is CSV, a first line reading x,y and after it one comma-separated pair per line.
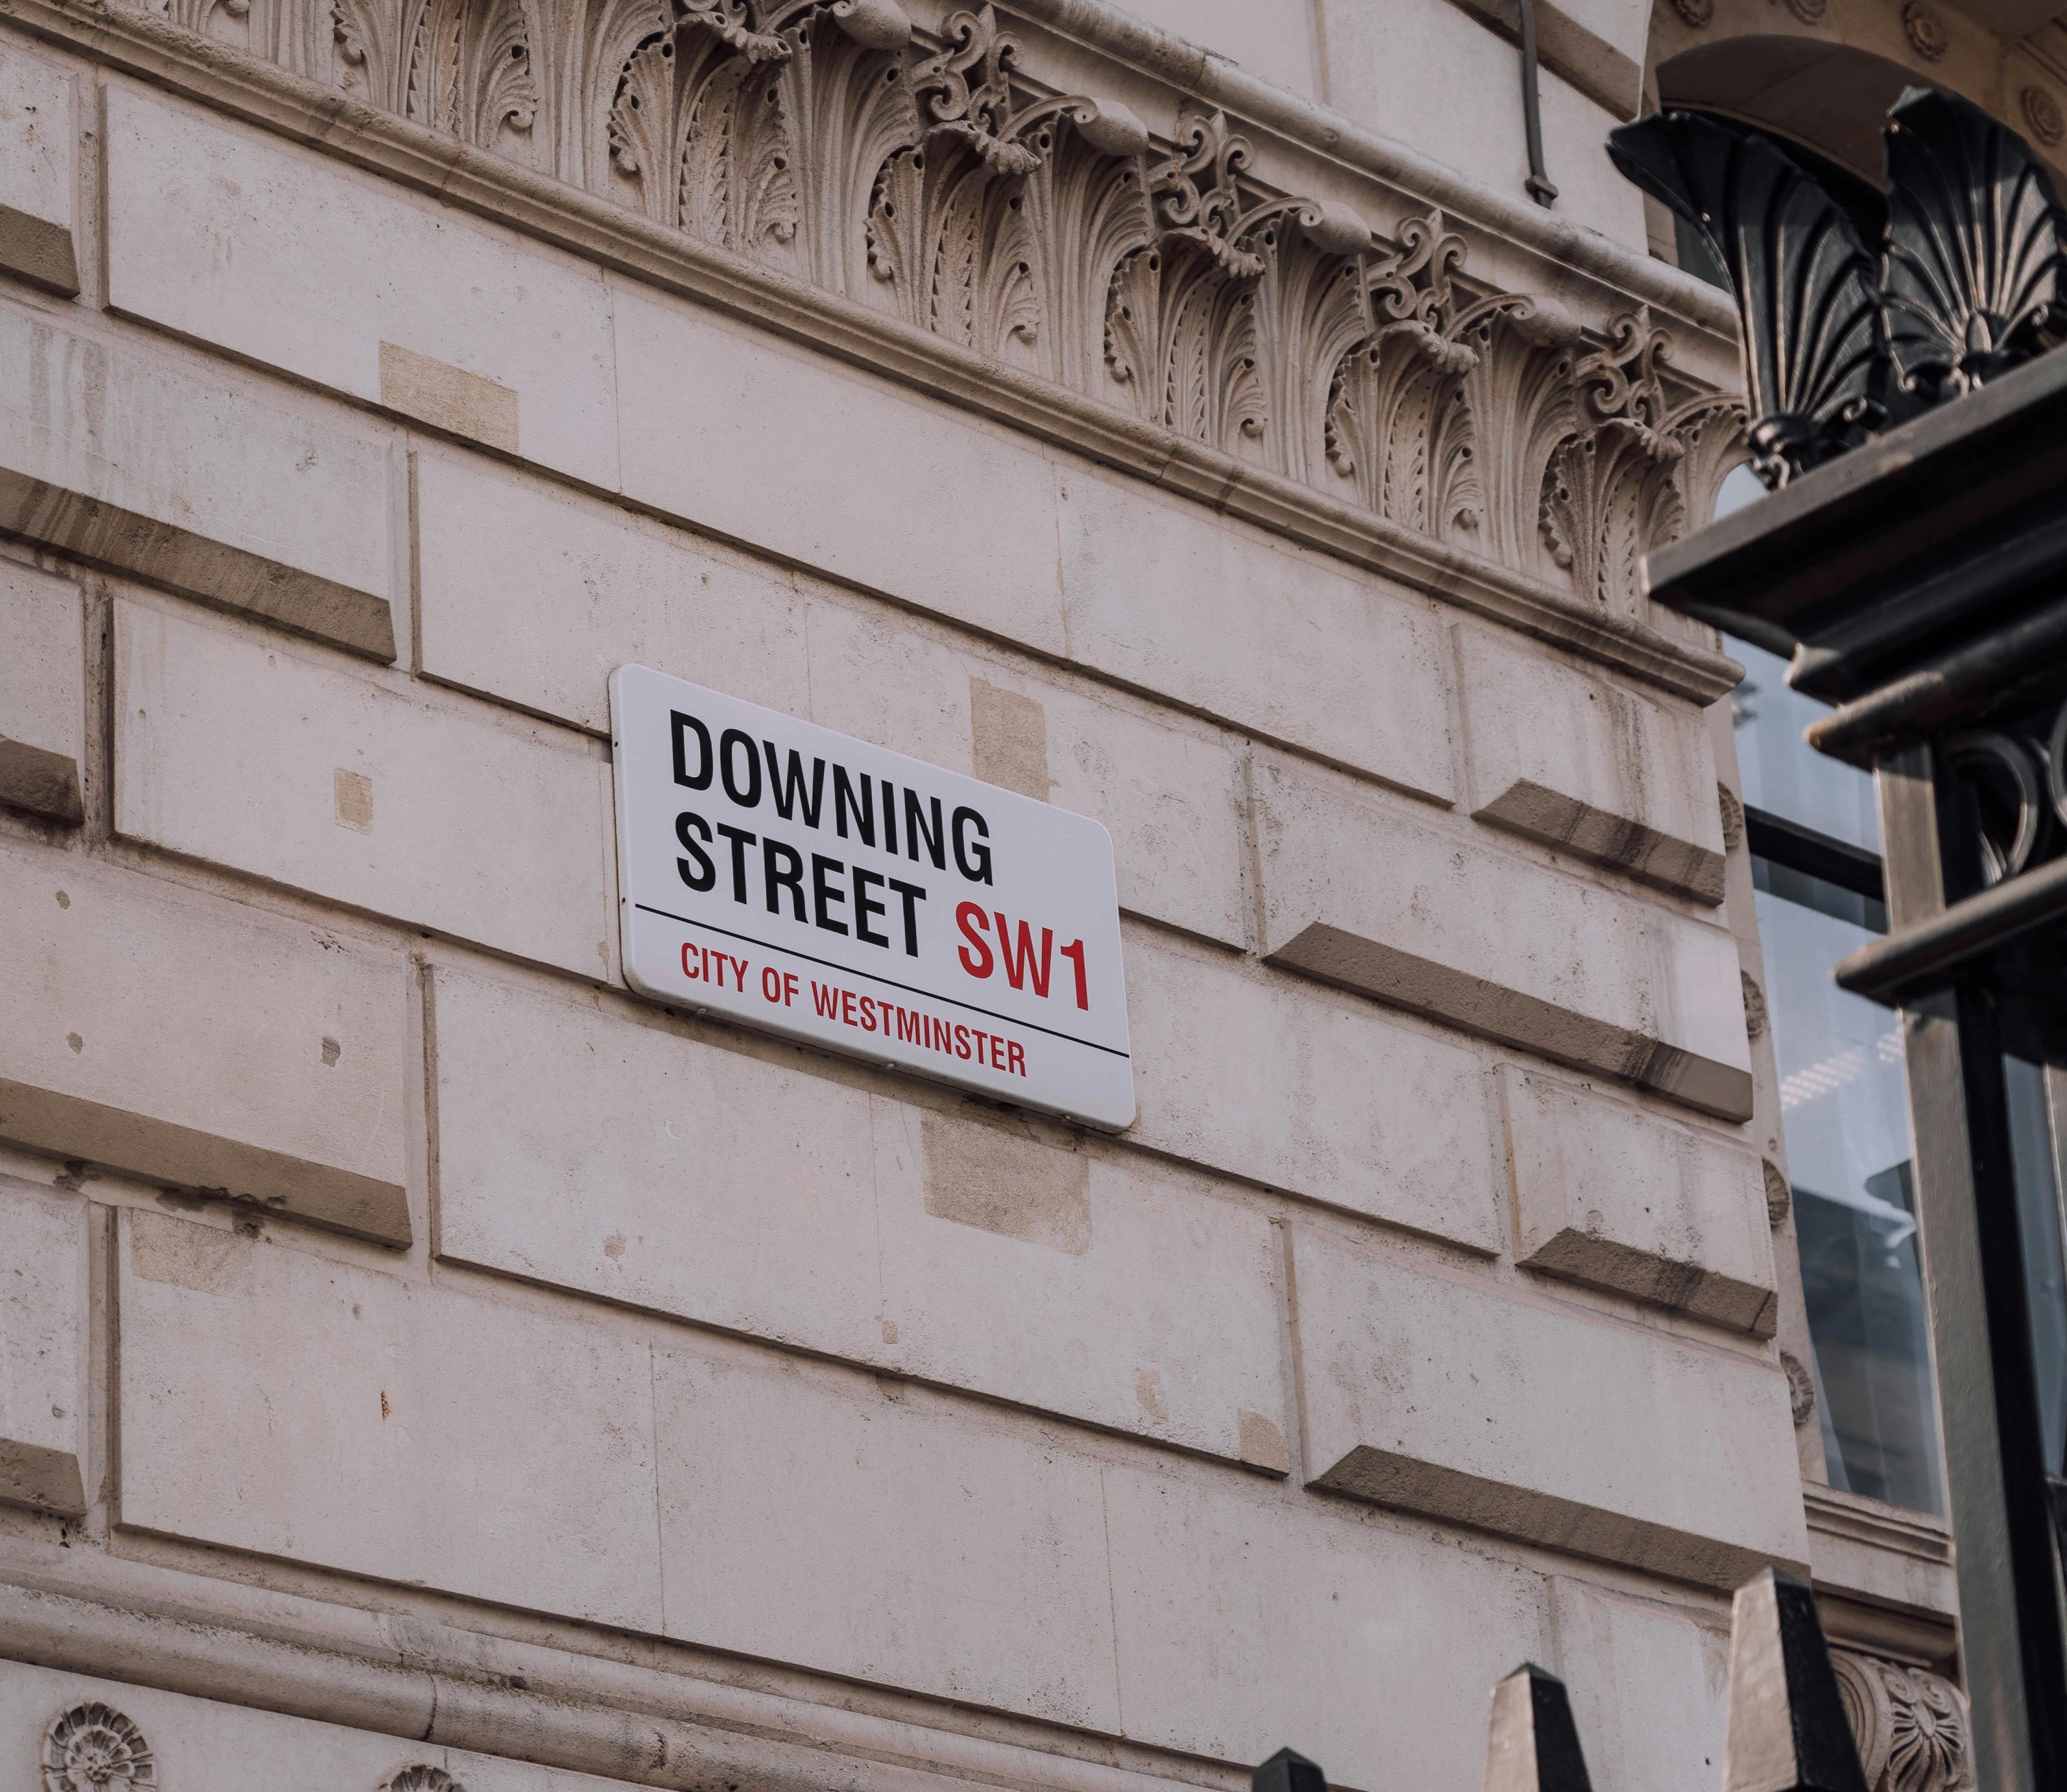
x,y
211,572
36,250
162,1152
1576,1255
44,1479
558,1725
1457,999
1587,832
42,782
609,235
1406,1483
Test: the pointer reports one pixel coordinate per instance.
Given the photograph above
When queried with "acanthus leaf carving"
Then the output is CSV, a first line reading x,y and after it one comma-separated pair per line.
x,y
964,91
929,176
703,139
1204,215
963,223
732,22
1623,481
1397,420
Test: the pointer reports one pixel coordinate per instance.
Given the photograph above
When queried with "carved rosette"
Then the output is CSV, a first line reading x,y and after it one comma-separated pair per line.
x,y
1911,1725
94,1748
1925,30
2041,112
420,1776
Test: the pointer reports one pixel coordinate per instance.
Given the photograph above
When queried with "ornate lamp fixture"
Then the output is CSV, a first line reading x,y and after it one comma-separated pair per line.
x,y
1914,564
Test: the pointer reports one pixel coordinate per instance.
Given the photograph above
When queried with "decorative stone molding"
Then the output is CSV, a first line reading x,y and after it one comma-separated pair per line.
x,y
1754,1002
1779,1197
94,1748
420,1777
1800,1388
827,142
2042,113
1911,1725
1925,30
1732,813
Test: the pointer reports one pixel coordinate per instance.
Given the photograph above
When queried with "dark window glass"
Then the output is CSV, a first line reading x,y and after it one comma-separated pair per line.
x,y
1782,773
1844,1107
1844,1110
2034,1159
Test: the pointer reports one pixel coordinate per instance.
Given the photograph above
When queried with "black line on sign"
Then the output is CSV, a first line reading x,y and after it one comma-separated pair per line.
x,y
888,982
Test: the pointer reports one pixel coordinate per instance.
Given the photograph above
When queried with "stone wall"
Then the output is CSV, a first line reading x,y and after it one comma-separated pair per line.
x,y
421,1354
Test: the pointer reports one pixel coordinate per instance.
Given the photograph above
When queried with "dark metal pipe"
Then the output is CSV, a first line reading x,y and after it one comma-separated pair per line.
x,y
2003,670
1905,965
1540,189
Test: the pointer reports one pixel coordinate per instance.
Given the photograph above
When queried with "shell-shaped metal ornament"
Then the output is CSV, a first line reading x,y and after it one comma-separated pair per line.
x,y
1815,365
1973,276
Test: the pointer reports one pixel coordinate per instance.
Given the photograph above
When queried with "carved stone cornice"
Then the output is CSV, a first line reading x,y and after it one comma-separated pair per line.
x,y
843,215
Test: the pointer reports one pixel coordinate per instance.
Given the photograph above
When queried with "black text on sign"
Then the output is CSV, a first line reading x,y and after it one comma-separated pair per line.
x,y
811,884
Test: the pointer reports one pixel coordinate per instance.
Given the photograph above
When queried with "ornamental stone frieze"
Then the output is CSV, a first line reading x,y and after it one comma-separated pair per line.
x,y
937,180
1911,1725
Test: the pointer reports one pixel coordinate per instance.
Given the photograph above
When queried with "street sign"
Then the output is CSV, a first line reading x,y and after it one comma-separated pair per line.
x,y
809,884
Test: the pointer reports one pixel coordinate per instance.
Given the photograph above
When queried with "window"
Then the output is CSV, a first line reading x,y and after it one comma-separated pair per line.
x,y
1814,833
1813,826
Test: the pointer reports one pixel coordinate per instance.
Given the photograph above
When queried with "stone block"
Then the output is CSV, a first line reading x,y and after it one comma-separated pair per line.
x,y
836,469
1008,740
1386,1643
1369,898
448,398
535,595
349,281
1274,639
1103,1287
42,1349
282,1402
581,1147
1269,38
1378,65
38,172
1606,1194
132,463
1649,1684
42,692
1309,1091
1455,1397
1589,767
1169,795
441,815
862,1528
200,1045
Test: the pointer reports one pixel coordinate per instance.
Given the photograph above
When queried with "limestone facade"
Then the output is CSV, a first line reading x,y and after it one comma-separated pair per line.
x,y
425,1364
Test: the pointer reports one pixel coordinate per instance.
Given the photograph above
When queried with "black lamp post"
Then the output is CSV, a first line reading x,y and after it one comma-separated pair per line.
x,y
1912,559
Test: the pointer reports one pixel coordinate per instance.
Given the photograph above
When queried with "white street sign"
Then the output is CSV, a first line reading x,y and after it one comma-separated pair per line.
x,y
810,884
